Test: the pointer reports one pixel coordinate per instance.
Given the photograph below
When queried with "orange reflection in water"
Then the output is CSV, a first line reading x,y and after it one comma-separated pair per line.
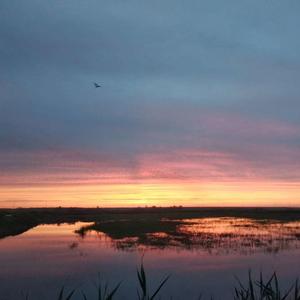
x,y
214,235
239,226
57,230
241,234
45,257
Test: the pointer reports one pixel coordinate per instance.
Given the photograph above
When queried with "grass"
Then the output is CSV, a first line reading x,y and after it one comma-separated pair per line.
x,y
251,290
68,297
265,290
144,294
103,292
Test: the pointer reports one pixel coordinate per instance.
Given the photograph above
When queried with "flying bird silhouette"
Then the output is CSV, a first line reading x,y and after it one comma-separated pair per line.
x,y
97,85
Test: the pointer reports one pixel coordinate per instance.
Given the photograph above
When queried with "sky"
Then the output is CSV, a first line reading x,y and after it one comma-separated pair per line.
x,y
198,106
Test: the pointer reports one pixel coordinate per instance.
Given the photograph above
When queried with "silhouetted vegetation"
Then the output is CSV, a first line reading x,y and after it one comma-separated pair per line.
x,y
16,221
260,289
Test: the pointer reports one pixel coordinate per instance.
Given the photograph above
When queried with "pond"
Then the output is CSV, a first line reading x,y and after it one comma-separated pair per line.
x,y
201,255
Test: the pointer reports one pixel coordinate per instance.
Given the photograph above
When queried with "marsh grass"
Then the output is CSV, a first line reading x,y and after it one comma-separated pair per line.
x,y
142,278
251,290
103,291
265,290
68,297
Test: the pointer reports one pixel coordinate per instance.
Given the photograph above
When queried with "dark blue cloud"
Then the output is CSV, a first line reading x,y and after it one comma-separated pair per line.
x,y
157,61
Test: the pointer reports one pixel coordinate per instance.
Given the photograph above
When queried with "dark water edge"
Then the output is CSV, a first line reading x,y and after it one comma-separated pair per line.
x,y
17,221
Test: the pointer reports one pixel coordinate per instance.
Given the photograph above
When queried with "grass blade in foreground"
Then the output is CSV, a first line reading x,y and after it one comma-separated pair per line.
x,y
143,285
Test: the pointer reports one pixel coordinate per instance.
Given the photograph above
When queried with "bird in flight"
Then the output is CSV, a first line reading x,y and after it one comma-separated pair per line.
x,y
97,85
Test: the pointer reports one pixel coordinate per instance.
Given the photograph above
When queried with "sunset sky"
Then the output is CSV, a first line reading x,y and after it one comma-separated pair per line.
x,y
199,104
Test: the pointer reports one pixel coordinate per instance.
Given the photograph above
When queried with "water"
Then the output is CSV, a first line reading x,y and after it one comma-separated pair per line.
x,y
202,256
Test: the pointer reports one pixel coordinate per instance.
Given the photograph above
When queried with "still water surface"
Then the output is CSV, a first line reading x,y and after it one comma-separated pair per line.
x,y
202,256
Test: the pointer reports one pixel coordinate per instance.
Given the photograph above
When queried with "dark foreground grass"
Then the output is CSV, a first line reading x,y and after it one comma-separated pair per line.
x,y
252,289
265,290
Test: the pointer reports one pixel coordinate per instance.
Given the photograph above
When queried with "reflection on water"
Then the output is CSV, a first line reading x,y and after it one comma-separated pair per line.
x,y
46,257
215,235
244,235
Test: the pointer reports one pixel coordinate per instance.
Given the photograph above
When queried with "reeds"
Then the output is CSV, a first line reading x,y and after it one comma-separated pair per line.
x,y
103,291
265,290
253,290
68,297
144,295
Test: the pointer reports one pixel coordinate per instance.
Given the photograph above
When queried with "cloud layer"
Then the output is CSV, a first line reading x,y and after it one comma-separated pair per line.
x,y
203,91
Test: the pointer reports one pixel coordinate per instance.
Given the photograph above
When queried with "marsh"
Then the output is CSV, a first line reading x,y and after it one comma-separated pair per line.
x,y
199,248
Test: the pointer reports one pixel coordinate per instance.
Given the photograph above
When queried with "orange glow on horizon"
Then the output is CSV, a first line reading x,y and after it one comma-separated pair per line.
x,y
190,177
158,194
